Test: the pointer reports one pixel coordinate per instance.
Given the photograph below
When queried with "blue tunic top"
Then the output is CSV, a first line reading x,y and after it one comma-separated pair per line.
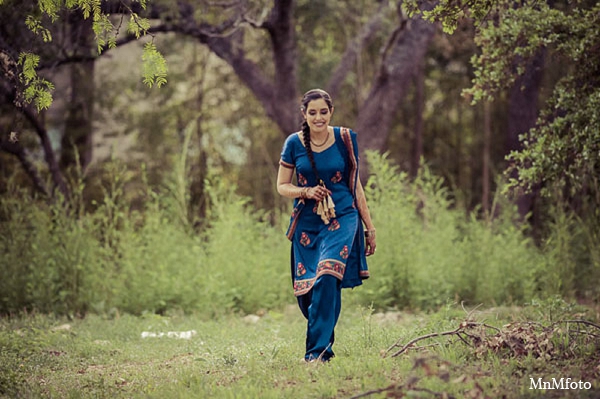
x,y
338,247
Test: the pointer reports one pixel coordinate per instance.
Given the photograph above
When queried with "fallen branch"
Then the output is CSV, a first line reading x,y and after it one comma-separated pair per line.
x,y
521,337
457,331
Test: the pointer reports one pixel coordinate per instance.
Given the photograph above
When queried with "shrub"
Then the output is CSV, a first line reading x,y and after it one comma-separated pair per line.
x,y
59,259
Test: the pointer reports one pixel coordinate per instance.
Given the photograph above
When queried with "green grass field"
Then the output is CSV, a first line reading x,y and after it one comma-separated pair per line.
x,y
251,357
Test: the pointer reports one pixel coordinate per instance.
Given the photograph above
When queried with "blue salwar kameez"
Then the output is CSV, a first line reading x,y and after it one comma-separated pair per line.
x,y
325,257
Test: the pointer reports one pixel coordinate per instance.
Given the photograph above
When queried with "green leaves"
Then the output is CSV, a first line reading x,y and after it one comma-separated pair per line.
x,y
154,66
105,32
50,8
35,25
563,149
137,26
37,89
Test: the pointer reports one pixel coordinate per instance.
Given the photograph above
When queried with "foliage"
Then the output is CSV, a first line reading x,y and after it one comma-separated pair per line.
x,y
66,260
563,148
429,252
38,90
137,261
154,66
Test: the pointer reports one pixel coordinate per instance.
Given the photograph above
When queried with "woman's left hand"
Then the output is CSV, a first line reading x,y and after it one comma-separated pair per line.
x,y
370,245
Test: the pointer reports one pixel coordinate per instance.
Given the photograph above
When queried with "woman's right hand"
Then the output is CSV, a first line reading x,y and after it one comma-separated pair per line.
x,y
317,193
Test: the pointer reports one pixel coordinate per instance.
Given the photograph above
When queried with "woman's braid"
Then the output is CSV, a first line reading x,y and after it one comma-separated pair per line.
x,y
309,152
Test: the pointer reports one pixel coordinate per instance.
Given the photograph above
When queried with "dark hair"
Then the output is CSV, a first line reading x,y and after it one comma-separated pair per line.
x,y
309,96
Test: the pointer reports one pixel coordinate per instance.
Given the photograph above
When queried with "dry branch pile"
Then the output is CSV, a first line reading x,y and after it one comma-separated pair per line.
x,y
564,339
559,339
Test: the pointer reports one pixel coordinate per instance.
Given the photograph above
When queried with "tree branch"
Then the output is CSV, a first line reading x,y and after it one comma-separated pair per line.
x,y
8,91
456,331
49,155
283,38
22,154
402,54
353,48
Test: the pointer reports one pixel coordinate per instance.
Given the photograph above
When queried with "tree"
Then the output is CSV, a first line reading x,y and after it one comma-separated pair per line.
x,y
563,148
89,32
225,28
76,143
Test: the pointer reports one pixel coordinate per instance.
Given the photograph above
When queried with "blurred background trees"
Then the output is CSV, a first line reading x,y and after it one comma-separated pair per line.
x,y
511,95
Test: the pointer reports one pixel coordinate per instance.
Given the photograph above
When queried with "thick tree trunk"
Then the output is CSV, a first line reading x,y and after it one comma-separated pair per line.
x,y
405,52
198,201
279,94
417,139
522,115
76,142
487,147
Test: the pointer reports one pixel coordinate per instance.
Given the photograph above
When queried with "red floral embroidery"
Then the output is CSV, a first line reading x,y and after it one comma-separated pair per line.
x,y
301,271
303,286
304,239
334,225
337,177
302,180
331,267
344,252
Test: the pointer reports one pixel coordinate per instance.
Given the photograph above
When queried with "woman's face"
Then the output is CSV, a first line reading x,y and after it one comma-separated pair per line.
x,y
317,115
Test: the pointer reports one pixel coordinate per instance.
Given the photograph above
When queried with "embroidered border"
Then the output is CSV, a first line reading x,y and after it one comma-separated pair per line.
x,y
285,164
327,266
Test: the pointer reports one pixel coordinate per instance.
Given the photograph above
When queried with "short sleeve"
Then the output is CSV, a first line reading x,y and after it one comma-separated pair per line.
x,y
288,153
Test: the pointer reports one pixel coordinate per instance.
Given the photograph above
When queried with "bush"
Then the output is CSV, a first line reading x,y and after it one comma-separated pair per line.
x,y
430,253
59,259
118,259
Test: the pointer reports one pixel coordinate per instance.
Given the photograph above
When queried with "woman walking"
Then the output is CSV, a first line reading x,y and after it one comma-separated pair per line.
x,y
329,242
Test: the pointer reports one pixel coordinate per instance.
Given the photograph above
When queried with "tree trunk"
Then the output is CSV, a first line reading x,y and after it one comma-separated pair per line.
x,y
522,116
198,202
485,177
404,52
417,139
76,142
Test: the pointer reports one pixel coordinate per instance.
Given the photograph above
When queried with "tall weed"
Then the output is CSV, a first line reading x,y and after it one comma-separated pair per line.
x,y
148,258
430,252
248,259
572,246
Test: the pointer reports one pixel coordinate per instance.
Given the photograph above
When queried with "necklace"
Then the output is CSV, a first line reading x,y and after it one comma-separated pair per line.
x,y
323,143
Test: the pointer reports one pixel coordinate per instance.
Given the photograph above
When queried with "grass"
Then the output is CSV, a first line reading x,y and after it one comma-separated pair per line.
x,y
237,357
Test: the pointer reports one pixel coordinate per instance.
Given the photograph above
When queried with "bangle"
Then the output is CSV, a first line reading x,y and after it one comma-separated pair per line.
x,y
370,233
303,192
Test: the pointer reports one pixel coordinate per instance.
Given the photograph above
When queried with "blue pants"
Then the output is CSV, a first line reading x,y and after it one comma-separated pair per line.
x,y
321,306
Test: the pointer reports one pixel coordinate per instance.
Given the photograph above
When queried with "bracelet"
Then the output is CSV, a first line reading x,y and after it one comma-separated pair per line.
x,y
303,192
370,233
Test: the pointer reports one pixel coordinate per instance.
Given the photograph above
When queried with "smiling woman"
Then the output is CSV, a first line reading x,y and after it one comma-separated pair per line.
x,y
326,228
